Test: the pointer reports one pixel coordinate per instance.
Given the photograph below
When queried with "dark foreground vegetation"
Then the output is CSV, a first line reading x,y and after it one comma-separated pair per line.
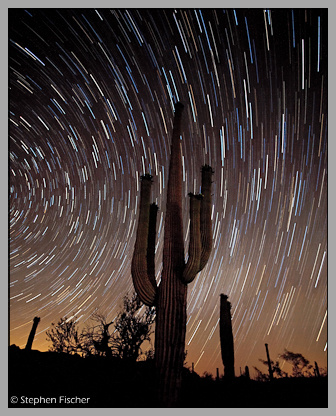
x,y
55,379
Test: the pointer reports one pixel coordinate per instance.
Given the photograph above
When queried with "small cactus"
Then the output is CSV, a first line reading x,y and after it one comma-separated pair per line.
x,y
226,337
270,368
30,340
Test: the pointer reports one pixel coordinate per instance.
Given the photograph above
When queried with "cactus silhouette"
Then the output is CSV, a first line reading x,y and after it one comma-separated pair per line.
x,y
217,374
226,337
270,368
170,297
30,340
316,370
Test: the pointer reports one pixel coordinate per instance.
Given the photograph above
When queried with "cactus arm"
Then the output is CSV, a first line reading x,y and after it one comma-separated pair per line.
x,y
143,284
206,229
200,243
192,266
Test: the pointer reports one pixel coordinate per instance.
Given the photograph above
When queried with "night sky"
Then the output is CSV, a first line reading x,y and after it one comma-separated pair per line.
x,y
91,95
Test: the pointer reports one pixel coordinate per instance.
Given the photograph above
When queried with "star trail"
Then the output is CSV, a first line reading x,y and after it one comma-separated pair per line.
x,y
91,94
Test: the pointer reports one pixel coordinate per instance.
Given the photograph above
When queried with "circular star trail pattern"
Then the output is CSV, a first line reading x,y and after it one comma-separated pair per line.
x,y
91,110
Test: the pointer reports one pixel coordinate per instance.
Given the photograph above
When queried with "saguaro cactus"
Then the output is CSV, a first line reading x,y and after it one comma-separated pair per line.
x,y
170,297
30,340
226,337
270,368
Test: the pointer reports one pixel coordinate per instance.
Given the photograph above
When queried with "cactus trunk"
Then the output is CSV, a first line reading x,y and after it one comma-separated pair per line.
x,y
170,336
171,312
170,297
226,337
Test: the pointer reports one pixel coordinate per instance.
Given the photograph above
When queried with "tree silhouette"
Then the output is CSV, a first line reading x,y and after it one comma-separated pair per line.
x,y
132,328
260,375
96,340
300,365
276,370
207,376
64,336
